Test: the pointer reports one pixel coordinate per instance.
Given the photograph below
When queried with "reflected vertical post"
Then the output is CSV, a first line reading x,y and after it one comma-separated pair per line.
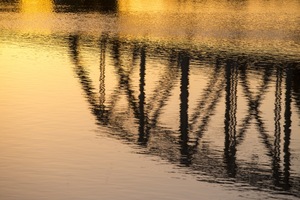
x,y
73,46
230,117
184,63
277,132
287,127
142,137
103,41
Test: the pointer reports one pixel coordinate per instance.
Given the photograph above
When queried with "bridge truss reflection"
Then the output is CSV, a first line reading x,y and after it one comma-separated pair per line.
x,y
229,77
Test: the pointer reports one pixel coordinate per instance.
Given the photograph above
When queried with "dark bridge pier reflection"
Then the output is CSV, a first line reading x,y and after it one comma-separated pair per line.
x,y
230,117
277,131
102,109
227,74
184,64
143,136
287,128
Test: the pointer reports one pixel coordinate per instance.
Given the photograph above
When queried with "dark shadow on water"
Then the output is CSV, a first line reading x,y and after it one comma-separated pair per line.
x,y
9,5
73,6
228,75
102,6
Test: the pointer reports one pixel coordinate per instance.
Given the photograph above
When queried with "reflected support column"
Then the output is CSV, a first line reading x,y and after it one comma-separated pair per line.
x,y
287,127
230,117
277,132
184,63
103,42
143,137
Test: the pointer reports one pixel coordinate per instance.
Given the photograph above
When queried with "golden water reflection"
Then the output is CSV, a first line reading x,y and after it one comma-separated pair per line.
x,y
36,6
228,115
209,86
256,26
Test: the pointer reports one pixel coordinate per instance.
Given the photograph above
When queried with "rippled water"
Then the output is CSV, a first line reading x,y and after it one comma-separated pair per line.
x,y
162,99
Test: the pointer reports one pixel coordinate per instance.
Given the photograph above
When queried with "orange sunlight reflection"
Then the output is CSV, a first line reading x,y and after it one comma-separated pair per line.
x,y
36,6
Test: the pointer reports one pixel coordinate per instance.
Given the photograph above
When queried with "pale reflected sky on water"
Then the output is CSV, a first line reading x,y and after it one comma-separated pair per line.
x,y
164,99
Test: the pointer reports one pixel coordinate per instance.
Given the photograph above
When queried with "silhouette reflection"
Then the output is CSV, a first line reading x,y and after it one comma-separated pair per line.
x,y
287,128
230,74
277,132
103,6
184,96
230,118
143,135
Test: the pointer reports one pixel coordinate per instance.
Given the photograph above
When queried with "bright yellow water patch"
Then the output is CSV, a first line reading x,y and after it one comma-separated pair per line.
x,y
36,6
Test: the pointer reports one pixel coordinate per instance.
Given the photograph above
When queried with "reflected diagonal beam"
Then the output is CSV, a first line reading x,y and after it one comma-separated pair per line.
x,y
82,74
253,104
216,94
163,91
205,96
210,110
124,79
91,96
85,81
114,97
213,93
253,110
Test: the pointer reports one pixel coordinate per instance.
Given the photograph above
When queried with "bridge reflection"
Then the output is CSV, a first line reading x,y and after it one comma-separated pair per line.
x,y
230,76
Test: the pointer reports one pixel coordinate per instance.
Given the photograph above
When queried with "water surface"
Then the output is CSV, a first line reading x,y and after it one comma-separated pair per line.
x,y
134,99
